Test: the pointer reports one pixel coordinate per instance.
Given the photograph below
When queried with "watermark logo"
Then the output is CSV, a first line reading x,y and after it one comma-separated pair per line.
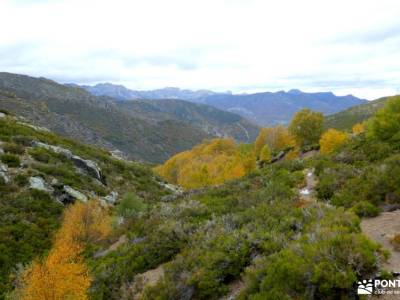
x,y
365,287
378,287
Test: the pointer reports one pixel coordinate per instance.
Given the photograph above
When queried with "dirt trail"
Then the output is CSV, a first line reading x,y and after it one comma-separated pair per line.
x,y
307,192
234,290
381,229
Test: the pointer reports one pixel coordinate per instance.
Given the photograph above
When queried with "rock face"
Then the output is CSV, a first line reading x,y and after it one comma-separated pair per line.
x,y
38,128
74,194
3,172
89,166
38,183
55,149
117,154
112,197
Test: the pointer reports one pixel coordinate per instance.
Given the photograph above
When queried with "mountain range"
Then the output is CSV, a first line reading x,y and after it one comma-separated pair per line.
x,y
146,131
120,92
264,109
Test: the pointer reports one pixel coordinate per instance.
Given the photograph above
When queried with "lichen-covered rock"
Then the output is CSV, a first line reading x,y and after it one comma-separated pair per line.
x,y
38,183
75,194
177,190
55,149
111,198
4,173
89,166
118,154
38,128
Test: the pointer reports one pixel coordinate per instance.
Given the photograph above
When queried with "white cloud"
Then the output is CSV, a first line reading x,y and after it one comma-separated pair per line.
x,y
239,45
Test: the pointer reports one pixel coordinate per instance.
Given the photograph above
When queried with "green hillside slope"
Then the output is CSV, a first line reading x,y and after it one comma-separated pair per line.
x,y
41,173
345,119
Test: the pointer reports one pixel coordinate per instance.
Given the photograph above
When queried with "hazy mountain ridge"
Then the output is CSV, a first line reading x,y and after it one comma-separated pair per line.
x,y
120,92
102,121
278,108
266,108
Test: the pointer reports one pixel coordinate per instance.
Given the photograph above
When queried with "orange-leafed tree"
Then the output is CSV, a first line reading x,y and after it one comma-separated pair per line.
x,y
63,274
331,140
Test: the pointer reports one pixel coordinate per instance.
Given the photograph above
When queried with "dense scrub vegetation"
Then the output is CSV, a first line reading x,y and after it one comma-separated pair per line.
x,y
29,217
257,229
363,173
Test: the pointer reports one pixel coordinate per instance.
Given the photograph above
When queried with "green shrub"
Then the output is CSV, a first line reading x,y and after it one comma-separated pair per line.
x,y
4,111
21,179
130,205
40,155
10,160
13,148
365,209
385,125
22,140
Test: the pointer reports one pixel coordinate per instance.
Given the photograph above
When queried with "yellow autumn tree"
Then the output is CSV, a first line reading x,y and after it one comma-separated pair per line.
x,y
277,138
306,127
63,273
358,128
331,140
260,141
265,155
210,163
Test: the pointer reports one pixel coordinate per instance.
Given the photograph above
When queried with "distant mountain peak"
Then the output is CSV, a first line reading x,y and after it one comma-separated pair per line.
x,y
295,92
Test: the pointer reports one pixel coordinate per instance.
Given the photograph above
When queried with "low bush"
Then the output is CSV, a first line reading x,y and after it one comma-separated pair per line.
x,y
13,148
395,241
365,209
10,160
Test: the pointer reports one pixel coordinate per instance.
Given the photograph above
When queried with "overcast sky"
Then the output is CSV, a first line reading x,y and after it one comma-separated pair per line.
x,y
239,45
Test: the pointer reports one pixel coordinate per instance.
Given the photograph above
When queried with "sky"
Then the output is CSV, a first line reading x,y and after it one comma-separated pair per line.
x,y
347,47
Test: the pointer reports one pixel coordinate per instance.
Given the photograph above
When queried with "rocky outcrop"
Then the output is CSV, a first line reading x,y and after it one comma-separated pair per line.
x,y
117,154
111,198
67,195
175,189
38,183
38,128
76,195
89,166
4,172
55,149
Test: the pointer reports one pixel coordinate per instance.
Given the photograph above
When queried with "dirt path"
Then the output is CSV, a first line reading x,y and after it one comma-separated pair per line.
x,y
234,290
307,192
381,229
122,240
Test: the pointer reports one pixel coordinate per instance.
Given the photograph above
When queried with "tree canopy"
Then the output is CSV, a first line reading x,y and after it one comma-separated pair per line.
x,y
306,127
